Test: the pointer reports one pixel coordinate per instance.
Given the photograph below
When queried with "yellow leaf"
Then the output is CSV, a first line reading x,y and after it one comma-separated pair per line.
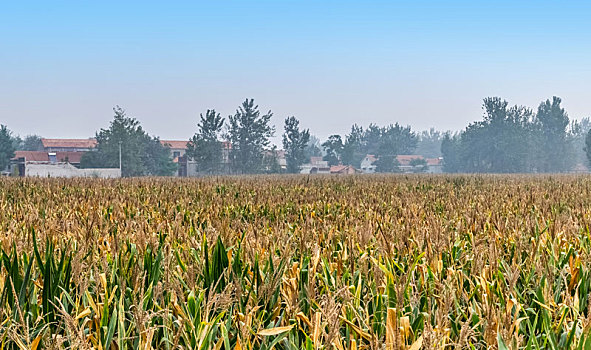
x,y
275,331
390,328
300,315
84,313
417,344
357,330
35,342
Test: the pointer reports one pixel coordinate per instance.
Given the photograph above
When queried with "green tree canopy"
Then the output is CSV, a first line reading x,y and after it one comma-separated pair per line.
x,y
141,154
554,142
205,147
32,143
333,149
514,139
588,147
313,148
295,142
6,147
249,133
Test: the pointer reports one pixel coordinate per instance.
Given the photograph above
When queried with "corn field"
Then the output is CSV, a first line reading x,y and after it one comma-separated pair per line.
x,y
358,262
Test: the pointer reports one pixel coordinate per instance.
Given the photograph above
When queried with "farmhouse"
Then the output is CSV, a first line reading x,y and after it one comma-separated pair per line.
x,y
56,164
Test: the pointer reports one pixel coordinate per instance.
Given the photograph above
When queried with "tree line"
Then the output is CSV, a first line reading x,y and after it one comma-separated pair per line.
x,y
508,139
517,139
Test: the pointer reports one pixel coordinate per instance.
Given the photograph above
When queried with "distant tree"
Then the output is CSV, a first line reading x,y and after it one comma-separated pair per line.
x,y
577,134
295,142
429,143
387,163
501,143
32,143
333,149
6,147
271,161
553,142
249,133
205,147
394,140
141,154
17,143
450,151
419,165
353,150
588,147
313,148
372,137
157,158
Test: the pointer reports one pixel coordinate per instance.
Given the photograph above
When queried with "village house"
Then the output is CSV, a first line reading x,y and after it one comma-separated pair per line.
x,y
315,166
177,148
56,164
407,163
435,165
367,166
343,170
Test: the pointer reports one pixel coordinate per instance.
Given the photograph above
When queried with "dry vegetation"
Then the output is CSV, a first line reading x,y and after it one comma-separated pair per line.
x,y
296,262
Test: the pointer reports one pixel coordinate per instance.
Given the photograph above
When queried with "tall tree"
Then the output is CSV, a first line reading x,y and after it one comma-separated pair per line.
x,y
141,154
371,139
32,143
205,147
295,142
313,147
588,147
333,149
394,140
157,158
249,133
577,133
6,147
554,143
501,142
429,144
353,150
450,151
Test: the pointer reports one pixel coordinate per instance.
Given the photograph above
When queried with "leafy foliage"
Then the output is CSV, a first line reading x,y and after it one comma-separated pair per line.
x,y
31,143
141,154
6,147
514,139
333,149
295,142
205,146
249,133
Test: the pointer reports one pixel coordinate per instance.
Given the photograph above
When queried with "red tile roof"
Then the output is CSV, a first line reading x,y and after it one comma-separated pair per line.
x,y
41,156
69,143
175,144
342,169
433,161
404,159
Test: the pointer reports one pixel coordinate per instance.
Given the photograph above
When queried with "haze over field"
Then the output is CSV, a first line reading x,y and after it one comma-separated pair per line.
x,y
330,63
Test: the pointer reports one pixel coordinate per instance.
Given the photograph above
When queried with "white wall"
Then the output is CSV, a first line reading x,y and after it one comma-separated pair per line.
x,y
68,170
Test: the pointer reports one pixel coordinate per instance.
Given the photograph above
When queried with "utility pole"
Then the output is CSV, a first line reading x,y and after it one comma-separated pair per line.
x,y
120,174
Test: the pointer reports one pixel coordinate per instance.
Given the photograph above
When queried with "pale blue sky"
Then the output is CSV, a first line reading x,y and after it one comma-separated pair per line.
x,y
64,65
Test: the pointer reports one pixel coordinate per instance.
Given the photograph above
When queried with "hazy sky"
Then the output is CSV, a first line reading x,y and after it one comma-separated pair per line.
x,y
64,65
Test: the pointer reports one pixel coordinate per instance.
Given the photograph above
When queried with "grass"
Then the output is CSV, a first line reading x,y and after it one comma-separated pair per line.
x,y
359,262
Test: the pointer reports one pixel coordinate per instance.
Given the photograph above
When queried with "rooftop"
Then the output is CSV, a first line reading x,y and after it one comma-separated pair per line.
x,y
42,156
69,143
